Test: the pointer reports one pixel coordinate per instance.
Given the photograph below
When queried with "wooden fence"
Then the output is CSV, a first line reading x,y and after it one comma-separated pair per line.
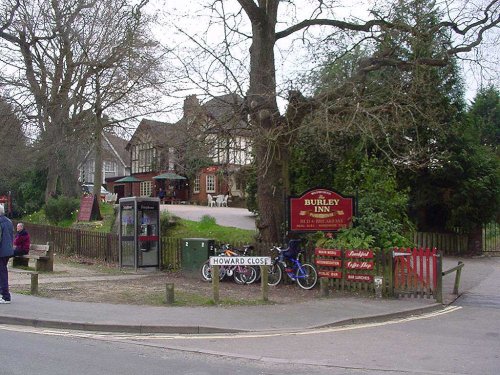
x,y
68,241
447,243
409,275
354,271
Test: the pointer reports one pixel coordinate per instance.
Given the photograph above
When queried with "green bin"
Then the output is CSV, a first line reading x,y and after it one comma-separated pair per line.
x,y
195,251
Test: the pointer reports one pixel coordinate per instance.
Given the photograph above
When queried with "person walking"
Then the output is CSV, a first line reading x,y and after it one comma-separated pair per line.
x,y
6,251
21,241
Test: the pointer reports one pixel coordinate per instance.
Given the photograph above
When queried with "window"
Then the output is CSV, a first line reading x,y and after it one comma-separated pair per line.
x,y
234,150
196,184
109,166
146,188
210,183
143,158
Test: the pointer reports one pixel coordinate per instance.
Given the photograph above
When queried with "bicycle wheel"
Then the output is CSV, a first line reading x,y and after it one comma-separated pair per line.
x,y
274,274
306,276
245,275
257,271
206,272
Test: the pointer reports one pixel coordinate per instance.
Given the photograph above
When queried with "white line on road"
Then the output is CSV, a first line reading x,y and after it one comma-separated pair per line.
x,y
148,337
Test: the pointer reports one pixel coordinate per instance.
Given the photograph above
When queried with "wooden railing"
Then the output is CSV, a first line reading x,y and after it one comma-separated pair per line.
x,y
69,241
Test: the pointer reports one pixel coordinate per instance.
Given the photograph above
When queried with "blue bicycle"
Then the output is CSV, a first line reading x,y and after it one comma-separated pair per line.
x,y
288,261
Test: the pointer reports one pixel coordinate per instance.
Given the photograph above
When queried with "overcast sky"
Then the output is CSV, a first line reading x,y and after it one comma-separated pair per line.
x,y
291,58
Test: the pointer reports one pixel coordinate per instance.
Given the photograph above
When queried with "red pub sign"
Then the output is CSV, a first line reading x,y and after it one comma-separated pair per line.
x,y
320,210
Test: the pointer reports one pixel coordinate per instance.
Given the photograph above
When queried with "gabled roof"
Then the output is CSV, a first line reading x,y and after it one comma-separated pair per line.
x,y
118,145
160,133
113,147
225,111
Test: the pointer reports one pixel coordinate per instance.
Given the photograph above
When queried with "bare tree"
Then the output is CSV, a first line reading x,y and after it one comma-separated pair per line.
x,y
13,152
122,67
261,25
69,62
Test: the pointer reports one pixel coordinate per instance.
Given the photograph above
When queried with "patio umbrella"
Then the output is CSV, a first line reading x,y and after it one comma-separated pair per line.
x,y
169,176
128,179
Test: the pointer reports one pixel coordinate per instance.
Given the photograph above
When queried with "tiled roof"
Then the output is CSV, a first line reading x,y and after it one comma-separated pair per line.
x,y
161,133
225,110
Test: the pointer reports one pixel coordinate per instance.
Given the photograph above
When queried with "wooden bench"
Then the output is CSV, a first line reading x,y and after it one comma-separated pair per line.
x,y
42,254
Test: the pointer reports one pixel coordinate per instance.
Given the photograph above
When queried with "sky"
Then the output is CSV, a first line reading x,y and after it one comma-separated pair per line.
x,y
292,59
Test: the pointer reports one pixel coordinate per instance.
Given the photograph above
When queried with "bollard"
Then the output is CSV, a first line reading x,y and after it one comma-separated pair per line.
x,y
34,283
323,287
170,293
378,282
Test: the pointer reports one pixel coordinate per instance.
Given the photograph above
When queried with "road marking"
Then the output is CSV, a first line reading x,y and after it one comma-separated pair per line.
x,y
111,336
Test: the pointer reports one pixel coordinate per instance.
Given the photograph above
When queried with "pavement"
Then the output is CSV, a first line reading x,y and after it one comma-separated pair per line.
x,y
480,277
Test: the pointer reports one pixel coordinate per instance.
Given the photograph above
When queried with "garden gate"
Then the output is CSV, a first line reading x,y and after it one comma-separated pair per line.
x,y
415,272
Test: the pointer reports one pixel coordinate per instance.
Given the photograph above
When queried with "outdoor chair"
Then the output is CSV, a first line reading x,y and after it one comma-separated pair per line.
x,y
211,202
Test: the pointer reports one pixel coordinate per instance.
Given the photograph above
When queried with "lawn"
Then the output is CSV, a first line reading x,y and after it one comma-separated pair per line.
x,y
206,228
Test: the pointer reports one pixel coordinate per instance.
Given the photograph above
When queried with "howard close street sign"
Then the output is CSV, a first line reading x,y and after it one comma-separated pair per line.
x,y
240,261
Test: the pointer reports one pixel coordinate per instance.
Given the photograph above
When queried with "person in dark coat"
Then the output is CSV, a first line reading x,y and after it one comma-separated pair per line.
x,y
21,241
6,251
161,195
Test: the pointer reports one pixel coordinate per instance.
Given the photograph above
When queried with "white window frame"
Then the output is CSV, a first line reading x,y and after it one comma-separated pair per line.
x,y
210,183
146,188
196,184
109,166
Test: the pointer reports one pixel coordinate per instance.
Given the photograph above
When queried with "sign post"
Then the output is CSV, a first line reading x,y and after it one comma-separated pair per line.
x,y
261,261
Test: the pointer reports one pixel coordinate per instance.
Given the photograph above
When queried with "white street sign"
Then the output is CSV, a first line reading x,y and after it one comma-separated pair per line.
x,y
240,261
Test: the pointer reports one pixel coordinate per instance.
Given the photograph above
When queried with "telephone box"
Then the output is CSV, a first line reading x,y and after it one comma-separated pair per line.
x,y
139,232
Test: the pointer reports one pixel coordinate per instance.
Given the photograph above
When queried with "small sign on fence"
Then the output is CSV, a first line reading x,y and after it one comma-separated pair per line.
x,y
332,268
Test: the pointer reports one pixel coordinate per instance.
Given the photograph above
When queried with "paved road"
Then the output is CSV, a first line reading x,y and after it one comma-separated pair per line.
x,y
225,216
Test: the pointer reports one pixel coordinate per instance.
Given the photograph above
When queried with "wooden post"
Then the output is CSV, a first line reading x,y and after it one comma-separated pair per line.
x,y
457,277
439,278
323,287
264,273
170,293
215,284
34,283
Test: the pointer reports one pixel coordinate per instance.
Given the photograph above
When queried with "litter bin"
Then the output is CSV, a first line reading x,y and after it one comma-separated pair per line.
x,y
195,251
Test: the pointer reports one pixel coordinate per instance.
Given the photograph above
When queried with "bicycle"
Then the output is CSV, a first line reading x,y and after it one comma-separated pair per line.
x,y
240,274
303,273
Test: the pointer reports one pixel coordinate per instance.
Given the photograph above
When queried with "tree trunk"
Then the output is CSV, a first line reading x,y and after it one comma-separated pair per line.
x,y
98,129
267,124
98,180
475,241
52,176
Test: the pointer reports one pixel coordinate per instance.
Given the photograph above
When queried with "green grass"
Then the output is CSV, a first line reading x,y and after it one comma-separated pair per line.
x,y
208,228
104,225
172,226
